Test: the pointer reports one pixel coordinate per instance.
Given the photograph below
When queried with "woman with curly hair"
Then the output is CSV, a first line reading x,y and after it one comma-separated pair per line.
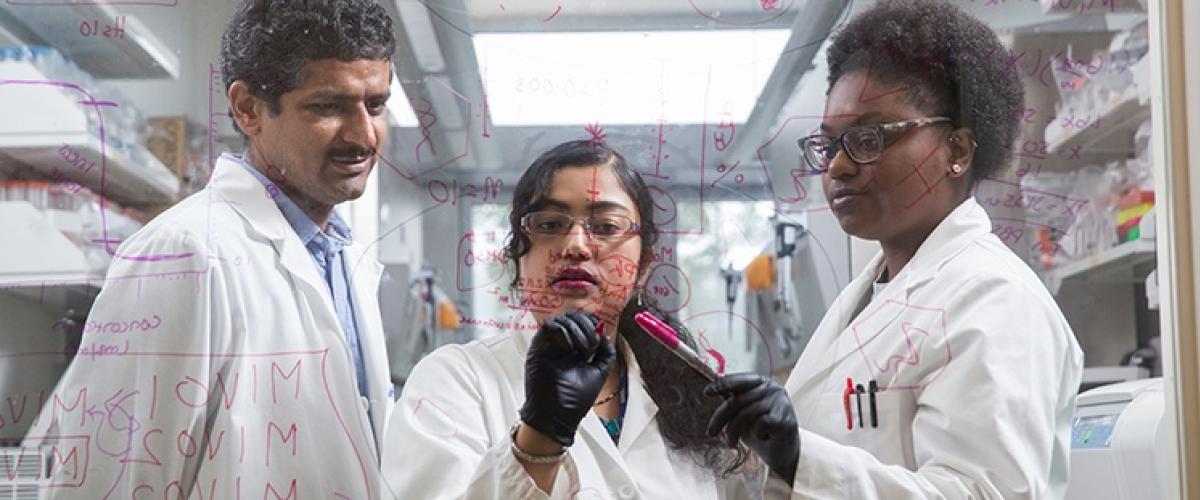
x,y
945,369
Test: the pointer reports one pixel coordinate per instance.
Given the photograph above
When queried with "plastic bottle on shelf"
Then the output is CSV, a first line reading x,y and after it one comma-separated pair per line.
x,y
16,190
60,196
124,125
39,194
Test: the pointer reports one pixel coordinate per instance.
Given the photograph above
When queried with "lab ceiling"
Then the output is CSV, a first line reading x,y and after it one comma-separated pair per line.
x,y
440,70
438,65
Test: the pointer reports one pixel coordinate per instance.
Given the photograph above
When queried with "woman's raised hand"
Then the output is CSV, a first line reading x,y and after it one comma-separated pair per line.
x,y
565,368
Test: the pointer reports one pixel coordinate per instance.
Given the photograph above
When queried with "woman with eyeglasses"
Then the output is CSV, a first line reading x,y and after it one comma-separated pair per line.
x,y
945,370
584,404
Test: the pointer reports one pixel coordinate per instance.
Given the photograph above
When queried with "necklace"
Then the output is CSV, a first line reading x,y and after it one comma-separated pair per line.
x,y
621,365
613,425
607,398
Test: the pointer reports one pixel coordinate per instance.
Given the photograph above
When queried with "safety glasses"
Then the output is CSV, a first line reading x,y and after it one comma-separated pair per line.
x,y
600,226
862,144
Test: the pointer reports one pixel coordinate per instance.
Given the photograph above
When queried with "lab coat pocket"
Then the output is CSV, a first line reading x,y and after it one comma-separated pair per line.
x,y
891,440
887,436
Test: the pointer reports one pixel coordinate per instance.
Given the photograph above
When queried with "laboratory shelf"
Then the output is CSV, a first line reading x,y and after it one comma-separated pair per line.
x,y
119,179
38,250
7,38
45,128
1124,263
70,295
87,280
1112,139
132,52
53,291
43,266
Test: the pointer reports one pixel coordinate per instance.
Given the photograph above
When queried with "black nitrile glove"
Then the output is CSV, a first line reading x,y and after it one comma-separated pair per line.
x,y
567,364
758,411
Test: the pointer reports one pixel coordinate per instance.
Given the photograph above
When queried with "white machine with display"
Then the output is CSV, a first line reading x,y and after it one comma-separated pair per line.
x,y
1116,437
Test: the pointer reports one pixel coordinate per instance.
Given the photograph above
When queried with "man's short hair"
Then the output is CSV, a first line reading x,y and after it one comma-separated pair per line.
x,y
267,42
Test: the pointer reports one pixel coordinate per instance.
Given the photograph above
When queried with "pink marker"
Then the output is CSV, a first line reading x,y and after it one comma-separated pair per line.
x,y
667,336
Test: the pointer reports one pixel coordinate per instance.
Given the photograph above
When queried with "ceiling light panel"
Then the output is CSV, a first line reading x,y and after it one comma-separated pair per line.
x,y
626,77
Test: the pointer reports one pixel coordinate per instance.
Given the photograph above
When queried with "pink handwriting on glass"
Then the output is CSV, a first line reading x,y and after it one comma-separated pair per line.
x,y
118,326
494,324
1041,150
93,350
662,253
126,425
669,286
1033,201
441,192
480,251
67,184
1072,73
75,159
79,162
903,355
1009,234
93,28
1084,6
562,87
769,10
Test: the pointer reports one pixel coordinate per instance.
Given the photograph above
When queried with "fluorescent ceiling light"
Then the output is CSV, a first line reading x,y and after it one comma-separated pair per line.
x,y
400,112
626,77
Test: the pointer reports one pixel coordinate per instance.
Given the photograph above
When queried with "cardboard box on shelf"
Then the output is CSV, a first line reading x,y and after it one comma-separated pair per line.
x,y
167,140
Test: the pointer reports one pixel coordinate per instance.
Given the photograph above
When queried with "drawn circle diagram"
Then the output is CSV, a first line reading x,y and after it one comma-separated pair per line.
x,y
668,285
752,328
767,11
665,208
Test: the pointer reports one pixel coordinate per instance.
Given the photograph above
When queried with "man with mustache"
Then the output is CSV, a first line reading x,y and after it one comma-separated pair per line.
x,y
268,374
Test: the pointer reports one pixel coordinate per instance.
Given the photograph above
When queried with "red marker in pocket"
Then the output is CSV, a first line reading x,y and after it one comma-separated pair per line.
x,y
846,403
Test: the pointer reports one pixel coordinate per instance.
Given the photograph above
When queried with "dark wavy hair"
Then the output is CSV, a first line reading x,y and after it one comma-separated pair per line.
x,y
267,42
683,409
950,63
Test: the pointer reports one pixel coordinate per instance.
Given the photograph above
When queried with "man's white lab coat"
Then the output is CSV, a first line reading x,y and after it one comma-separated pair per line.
x,y
245,387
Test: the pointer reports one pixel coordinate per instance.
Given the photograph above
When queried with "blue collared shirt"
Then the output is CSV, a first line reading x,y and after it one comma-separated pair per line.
x,y
325,247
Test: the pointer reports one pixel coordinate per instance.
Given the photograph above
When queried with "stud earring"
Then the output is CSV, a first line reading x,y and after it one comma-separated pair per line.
x,y
956,168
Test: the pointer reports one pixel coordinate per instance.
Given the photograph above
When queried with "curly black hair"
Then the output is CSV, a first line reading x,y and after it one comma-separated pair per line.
x,y
950,63
267,42
674,386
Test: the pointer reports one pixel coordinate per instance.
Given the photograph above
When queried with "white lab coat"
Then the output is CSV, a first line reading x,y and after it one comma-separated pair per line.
x,y
978,372
239,384
449,437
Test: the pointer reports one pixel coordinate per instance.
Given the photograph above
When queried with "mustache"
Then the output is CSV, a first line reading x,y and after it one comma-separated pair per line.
x,y
351,153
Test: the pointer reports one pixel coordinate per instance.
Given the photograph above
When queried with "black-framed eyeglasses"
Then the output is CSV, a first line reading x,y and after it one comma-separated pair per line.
x,y
862,144
602,226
